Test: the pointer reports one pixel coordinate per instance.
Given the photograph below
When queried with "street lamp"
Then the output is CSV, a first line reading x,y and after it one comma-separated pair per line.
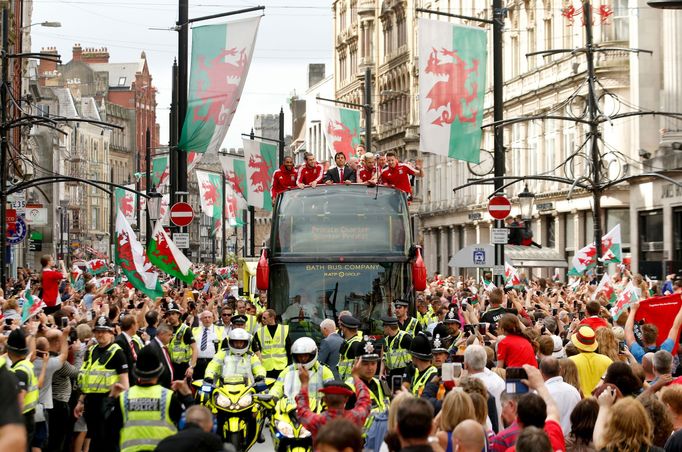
x,y
47,24
526,201
154,204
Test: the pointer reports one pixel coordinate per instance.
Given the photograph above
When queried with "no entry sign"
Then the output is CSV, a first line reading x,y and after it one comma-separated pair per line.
x,y
181,214
499,207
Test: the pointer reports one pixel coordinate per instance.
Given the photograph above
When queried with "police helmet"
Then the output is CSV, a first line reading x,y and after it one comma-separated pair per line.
x,y
304,346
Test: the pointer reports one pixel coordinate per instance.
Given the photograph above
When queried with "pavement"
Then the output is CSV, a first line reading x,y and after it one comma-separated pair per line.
x,y
264,447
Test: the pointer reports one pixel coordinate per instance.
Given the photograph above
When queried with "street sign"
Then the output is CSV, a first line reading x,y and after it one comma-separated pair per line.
x,y
499,207
498,270
181,214
181,240
16,232
11,216
499,236
36,215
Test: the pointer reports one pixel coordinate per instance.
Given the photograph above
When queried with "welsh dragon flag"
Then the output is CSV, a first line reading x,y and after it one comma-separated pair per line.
x,y
586,258
452,69
606,287
192,160
167,257
625,299
96,266
341,128
511,275
221,55
125,201
160,170
31,306
234,169
211,193
130,256
261,163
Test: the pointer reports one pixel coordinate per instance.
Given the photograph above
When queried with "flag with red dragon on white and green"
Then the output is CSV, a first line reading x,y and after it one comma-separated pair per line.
x,y
452,68
221,56
167,257
261,163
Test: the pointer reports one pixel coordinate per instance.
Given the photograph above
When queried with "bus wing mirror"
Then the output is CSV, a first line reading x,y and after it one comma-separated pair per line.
x,y
263,271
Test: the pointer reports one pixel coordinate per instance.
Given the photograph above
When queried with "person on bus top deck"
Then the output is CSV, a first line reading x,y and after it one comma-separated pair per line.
x,y
398,174
283,178
310,173
342,173
369,173
406,323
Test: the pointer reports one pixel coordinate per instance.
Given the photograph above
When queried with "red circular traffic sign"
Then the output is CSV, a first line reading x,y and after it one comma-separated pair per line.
x,y
499,207
181,214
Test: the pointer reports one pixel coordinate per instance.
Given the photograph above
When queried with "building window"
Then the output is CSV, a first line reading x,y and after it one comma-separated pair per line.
x,y
570,232
548,34
549,235
531,47
622,217
650,232
94,223
449,248
618,28
677,240
516,55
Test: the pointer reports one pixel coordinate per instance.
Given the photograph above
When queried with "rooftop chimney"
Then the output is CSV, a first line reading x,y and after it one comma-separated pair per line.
x,y
92,55
47,68
77,53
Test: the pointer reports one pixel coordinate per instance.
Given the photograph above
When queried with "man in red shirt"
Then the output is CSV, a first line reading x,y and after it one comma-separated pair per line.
x,y
50,283
593,320
368,173
311,173
283,178
398,174
336,394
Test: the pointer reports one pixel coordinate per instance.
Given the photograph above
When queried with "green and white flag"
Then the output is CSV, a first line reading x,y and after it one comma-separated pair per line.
x,y
160,170
261,163
341,128
452,69
234,169
167,257
221,56
132,259
210,193
125,202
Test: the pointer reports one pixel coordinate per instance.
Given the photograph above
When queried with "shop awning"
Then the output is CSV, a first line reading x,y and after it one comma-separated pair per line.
x,y
483,256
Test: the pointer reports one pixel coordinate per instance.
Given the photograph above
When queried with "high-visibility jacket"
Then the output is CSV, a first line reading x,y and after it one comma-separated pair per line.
x,y
427,318
251,324
273,351
225,364
380,401
218,331
138,340
288,384
31,397
94,377
411,326
395,356
419,380
178,350
146,417
346,358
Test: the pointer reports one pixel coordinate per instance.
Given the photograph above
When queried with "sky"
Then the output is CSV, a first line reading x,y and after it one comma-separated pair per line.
x,y
292,34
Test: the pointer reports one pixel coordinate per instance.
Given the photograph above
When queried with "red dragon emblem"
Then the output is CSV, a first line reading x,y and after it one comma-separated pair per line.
x,y
224,77
260,179
163,252
344,143
210,193
450,93
235,181
127,205
97,264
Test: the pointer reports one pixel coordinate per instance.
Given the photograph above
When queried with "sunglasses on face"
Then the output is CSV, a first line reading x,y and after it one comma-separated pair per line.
x,y
227,315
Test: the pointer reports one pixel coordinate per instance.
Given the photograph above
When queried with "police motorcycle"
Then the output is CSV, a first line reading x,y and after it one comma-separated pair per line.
x,y
238,402
288,435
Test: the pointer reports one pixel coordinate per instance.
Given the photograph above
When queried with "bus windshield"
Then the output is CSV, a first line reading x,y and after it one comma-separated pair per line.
x,y
306,293
341,220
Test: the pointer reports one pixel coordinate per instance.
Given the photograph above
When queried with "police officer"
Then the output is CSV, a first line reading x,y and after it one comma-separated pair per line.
x,y
274,343
368,363
17,351
288,384
450,329
103,367
182,347
209,338
146,413
240,322
405,321
251,322
425,314
436,389
421,371
396,349
237,360
349,331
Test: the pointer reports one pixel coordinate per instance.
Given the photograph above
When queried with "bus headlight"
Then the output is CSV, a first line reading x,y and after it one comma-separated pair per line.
x,y
285,429
245,400
304,432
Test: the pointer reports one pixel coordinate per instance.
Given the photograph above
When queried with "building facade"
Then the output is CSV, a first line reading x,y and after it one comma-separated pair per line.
x,y
382,35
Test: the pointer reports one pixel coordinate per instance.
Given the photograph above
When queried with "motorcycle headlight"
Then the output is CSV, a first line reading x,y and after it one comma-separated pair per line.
x,y
223,401
245,400
285,429
304,432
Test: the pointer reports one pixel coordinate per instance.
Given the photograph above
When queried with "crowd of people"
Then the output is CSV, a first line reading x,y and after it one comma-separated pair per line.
x,y
466,366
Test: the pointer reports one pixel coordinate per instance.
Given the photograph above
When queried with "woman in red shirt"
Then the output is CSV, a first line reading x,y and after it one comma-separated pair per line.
x,y
516,349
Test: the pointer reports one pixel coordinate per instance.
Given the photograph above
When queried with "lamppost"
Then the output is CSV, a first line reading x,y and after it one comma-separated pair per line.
x,y
48,24
153,210
526,202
